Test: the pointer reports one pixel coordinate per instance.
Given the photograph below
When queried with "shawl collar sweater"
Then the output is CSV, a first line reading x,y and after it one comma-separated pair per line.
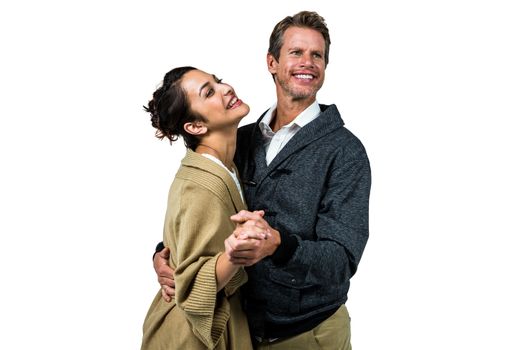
x,y
315,192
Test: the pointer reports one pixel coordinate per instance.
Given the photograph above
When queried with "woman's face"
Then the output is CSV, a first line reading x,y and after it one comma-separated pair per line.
x,y
214,100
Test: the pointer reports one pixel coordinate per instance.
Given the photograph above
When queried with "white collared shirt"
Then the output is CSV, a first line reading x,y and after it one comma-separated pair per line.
x,y
274,142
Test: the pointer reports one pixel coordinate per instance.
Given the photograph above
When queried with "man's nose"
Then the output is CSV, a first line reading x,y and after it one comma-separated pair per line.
x,y
307,60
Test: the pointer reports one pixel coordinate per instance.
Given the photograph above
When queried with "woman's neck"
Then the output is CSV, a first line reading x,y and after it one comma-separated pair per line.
x,y
221,148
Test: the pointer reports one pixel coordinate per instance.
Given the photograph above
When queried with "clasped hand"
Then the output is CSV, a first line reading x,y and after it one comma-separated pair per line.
x,y
252,240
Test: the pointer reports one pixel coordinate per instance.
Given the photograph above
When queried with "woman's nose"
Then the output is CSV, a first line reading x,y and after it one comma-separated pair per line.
x,y
227,90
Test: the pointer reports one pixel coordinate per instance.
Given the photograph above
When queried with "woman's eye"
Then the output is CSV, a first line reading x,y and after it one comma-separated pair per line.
x,y
210,93
219,81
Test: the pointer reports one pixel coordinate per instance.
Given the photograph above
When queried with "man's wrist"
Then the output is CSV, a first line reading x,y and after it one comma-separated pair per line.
x,y
285,250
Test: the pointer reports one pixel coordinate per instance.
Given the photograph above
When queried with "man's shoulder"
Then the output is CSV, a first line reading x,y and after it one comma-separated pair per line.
x,y
246,128
245,133
341,134
345,134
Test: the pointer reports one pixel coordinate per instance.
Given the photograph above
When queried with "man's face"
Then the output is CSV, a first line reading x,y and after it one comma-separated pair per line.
x,y
299,74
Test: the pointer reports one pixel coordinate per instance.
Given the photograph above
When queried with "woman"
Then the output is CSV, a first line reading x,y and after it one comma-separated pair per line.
x,y
206,312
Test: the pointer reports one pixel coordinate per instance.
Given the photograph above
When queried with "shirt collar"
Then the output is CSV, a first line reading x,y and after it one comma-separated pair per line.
x,y
305,117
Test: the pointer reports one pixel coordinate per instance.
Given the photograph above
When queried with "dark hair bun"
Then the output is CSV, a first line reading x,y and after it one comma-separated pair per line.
x,y
169,109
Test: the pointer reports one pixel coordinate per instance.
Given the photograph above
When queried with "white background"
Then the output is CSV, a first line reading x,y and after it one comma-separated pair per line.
x,y
434,89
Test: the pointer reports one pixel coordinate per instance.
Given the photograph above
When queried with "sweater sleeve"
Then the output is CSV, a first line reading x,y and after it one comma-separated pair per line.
x,y
199,225
341,228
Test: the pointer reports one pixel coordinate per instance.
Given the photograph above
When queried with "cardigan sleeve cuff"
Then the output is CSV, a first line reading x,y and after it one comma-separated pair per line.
x,y
207,311
158,248
285,250
237,280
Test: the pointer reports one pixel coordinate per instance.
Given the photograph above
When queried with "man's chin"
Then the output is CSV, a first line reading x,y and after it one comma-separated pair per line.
x,y
303,94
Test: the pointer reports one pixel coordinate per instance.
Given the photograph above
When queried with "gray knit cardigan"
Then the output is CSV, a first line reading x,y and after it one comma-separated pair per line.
x,y
316,194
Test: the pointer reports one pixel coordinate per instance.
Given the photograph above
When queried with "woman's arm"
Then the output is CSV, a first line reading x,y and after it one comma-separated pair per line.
x,y
224,271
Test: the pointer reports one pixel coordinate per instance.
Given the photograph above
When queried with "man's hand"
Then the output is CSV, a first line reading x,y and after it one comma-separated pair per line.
x,y
252,240
164,273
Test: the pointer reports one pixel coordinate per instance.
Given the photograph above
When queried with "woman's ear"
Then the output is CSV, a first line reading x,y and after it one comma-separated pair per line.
x,y
195,128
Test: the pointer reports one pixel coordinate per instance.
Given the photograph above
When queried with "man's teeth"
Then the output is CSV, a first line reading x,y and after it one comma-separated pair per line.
x,y
304,76
232,102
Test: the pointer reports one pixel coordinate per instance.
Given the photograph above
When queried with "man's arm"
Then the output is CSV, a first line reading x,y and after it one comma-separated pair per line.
x,y
342,225
341,230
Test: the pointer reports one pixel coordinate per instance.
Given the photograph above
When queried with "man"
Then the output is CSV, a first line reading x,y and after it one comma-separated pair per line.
x,y
311,177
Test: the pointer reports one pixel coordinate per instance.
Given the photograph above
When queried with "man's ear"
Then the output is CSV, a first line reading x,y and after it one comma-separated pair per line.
x,y
195,128
272,63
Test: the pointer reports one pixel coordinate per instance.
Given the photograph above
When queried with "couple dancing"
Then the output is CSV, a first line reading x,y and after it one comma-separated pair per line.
x,y
265,224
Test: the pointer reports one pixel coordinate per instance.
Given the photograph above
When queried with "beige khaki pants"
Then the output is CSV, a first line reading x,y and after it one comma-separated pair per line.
x,y
331,334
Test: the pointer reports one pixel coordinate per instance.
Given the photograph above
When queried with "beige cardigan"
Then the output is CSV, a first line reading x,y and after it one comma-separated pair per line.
x,y
201,200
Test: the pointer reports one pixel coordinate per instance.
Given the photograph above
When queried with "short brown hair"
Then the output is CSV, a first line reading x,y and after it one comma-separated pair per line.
x,y
303,19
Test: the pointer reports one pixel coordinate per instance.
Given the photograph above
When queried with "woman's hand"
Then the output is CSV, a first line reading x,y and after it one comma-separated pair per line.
x,y
252,240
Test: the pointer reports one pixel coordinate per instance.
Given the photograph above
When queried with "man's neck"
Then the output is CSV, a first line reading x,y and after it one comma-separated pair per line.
x,y
287,110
